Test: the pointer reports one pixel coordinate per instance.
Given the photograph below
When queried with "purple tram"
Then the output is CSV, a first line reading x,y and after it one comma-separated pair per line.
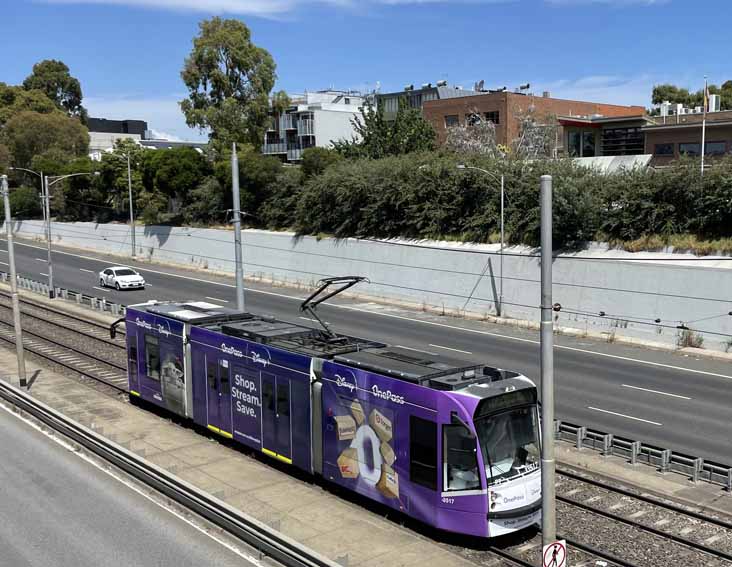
x,y
449,442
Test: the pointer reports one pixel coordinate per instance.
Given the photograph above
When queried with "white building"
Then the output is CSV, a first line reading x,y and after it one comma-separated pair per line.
x,y
314,120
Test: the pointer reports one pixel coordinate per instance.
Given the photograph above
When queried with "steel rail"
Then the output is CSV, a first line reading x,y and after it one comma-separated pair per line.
x,y
649,529
648,499
263,538
67,328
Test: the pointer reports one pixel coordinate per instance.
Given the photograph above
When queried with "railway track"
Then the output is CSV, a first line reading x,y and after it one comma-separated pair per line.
x,y
627,529
92,355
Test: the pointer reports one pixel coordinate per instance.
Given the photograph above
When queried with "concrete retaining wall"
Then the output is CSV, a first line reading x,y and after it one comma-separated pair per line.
x,y
455,277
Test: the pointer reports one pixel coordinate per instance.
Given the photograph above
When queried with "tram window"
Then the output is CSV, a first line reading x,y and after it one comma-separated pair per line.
x,y
152,357
211,374
283,399
224,374
268,395
461,463
133,360
423,452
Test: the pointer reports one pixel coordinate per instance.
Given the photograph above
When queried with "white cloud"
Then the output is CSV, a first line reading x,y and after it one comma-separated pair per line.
x,y
163,115
603,88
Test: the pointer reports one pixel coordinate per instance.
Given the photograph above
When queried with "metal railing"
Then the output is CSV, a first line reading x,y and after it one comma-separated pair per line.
x,y
637,452
266,540
278,148
305,127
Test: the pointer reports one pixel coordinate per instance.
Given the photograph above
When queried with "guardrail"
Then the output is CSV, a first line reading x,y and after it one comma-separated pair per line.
x,y
665,460
637,452
261,537
89,301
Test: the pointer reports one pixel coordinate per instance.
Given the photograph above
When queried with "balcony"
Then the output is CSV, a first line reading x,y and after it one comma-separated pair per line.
x,y
306,128
294,154
287,122
278,148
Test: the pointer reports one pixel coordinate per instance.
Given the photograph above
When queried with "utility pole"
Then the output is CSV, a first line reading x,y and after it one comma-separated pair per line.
x,y
47,208
500,293
237,229
132,216
548,501
14,285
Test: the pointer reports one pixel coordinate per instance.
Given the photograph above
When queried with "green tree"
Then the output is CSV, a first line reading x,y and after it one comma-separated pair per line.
x,y
229,80
14,100
280,102
207,203
28,134
81,198
377,138
113,170
54,79
678,95
25,203
4,158
316,160
257,173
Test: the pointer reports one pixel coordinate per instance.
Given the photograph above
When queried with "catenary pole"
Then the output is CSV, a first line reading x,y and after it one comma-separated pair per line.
x,y
47,204
704,123
237,229
548,504
14,285
132,215
500,293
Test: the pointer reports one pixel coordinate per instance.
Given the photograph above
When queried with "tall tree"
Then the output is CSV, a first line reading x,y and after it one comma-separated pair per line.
x,y
14,99
229,80
28,134
678,95
53,78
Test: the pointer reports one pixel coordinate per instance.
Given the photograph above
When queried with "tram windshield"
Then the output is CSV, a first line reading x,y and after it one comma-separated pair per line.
x,y
509,443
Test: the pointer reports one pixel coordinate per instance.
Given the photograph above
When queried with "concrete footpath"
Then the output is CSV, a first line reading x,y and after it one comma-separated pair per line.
x,y
332,526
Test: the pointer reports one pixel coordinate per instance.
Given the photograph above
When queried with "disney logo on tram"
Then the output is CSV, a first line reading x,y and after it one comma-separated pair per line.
x,y
343,382
259,359
144,324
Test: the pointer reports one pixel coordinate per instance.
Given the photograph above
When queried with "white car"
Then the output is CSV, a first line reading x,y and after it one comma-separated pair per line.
x,y
120,277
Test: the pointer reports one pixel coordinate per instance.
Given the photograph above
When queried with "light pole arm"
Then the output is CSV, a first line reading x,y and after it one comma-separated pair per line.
x,y
62,177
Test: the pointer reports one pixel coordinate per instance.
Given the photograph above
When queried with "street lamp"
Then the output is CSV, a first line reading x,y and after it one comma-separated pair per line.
x,y
129,189
502,179
48,184
40,175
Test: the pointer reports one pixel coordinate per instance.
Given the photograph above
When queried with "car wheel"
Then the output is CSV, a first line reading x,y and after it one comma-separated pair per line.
x,y
116,286
101,282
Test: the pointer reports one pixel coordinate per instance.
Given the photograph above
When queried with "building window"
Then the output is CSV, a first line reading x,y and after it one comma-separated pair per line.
x,y
415,101
152,357
690,149
423,452
623,141
461,462
452,120
391,104
715,148
574,143
588,144
347,101
493,116
663,150
472,119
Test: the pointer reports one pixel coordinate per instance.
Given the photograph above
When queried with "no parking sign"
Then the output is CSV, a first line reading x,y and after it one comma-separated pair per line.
x,y
555,554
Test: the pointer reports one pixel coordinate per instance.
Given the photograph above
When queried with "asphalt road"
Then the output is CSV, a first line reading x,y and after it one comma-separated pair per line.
x,y
662,398
57,509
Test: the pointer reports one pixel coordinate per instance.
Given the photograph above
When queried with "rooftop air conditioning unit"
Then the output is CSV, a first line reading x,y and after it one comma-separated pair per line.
x,y
409,88
426,85
442,83
715,103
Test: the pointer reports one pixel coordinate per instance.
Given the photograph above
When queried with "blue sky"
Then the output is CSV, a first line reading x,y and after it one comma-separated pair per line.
x,y
128,53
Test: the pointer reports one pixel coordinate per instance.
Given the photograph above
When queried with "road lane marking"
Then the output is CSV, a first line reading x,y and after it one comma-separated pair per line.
x,y
99,288
213,298
45,275
656,392
85,270
42,259
4,263
625,416
420,350
393,316
313,320
453,349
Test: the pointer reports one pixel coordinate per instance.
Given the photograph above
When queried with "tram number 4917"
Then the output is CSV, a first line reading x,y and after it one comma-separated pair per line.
x,y
448,500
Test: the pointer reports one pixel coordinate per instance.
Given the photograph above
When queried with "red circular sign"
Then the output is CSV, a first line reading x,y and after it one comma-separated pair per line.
x,y
555,554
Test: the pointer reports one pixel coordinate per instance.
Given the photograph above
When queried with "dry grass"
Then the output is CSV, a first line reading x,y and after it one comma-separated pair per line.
x,y
679,242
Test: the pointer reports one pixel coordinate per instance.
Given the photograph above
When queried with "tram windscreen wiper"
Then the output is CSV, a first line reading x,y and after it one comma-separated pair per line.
x,y
339,285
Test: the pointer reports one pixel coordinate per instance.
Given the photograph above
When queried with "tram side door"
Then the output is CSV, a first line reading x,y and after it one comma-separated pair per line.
x,y
172,379
276,434
133,372
218,393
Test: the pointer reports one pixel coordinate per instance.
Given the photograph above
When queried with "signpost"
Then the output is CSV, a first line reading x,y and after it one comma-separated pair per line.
x,y
555,554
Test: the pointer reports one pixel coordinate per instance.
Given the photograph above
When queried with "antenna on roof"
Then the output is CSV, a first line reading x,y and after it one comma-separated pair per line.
x,y
311,303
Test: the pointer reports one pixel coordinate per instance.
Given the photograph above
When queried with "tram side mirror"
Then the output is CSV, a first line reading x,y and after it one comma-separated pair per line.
x,y
455,419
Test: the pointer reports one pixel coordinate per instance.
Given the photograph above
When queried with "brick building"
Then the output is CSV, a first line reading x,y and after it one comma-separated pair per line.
x,y
670,137
505,108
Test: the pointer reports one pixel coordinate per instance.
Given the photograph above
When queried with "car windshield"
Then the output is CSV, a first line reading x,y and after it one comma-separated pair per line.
x,y
125,272
509,443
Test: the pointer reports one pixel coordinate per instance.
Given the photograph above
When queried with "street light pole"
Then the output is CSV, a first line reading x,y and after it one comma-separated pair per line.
x,y
499,306
47,209
14,285
548,499
239,268
132,216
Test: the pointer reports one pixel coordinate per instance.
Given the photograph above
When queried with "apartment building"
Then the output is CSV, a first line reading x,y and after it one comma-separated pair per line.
x,y
416,98
315,119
